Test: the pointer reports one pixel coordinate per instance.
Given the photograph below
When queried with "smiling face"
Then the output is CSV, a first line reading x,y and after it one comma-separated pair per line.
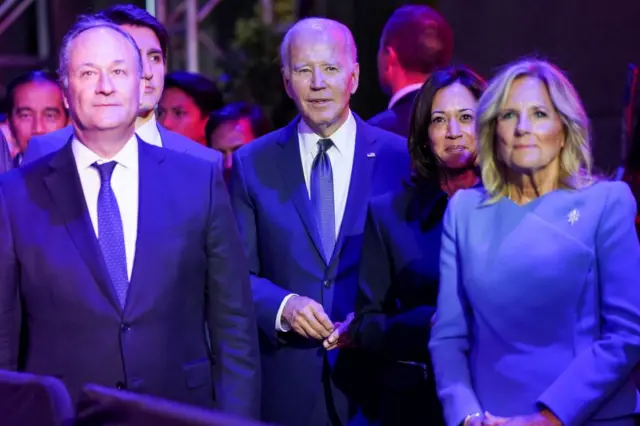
x,y
451,131
529,132
104,84
321,76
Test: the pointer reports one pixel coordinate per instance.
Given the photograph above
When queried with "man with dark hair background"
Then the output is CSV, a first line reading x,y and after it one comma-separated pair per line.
x,y
415,41
186,103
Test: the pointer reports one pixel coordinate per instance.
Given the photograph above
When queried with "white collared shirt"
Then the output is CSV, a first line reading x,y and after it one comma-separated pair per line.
x,y
341,157
149,132
124,183
400,93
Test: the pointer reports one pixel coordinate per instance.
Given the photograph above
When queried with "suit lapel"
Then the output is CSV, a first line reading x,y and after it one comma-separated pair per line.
x,y
360,186
150,220
290,165
63,183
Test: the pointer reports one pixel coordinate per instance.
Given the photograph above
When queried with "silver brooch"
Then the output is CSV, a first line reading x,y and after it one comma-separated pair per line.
x,y
573,216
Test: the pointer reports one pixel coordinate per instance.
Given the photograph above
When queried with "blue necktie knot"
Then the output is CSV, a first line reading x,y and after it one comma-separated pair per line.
x,y
105,170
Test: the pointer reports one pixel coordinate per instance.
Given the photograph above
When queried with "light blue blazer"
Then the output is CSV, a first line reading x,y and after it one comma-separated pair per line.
x,y
539,305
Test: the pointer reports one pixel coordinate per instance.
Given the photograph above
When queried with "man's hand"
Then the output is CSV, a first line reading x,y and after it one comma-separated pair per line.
x,y
307,318
543,418
491,420
340,336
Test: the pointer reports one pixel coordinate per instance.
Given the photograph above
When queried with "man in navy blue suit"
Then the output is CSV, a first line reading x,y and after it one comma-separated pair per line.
x,y
300,195
115,253
152,40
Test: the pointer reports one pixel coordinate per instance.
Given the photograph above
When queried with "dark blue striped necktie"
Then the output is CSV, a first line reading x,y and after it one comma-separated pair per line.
x,y
110,232
322,197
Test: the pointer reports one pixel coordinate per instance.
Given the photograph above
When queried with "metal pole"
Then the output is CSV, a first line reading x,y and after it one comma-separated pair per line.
x,y
150,5
191,36
14,15
43,34
6,6
161,11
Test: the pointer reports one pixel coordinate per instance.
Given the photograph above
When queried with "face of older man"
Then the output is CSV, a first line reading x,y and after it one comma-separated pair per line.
x,y
104,83
321,76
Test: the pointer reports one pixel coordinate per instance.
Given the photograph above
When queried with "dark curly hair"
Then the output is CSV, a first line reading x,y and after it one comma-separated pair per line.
x,y
426,166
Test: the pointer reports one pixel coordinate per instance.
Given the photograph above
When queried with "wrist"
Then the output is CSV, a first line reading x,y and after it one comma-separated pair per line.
x,y
471,417
550,417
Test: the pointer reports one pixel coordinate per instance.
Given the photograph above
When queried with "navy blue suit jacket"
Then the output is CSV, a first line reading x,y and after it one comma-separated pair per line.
x,y
39,146
189,267
273,211
398,118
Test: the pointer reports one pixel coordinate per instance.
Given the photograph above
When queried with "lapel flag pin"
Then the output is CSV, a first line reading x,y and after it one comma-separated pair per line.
x,y
371,155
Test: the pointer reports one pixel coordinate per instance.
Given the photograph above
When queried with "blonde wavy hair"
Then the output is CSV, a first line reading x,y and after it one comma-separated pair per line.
x,y
575,156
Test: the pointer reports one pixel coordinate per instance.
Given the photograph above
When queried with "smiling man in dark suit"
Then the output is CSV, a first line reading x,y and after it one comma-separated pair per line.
x,y
114,253
152,40
415,42
300,195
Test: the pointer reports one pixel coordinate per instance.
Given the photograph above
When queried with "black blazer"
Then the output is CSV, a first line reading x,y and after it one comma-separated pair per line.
x,y
398,287
397,118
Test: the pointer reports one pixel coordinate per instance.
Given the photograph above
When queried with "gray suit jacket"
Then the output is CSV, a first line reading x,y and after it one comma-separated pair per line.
x,y
39,146
5,158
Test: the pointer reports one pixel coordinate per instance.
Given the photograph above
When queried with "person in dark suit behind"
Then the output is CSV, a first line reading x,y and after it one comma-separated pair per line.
x,y
152,40
5,156
114,253
300,196
400,271
415,41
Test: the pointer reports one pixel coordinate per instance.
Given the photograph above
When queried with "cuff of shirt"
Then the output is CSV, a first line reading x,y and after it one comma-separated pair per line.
x,y
280,324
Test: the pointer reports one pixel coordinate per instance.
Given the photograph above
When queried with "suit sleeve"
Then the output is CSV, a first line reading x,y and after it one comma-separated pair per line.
x,y
597,372
267,296
10,313
231,318
378,326
450,336
5,156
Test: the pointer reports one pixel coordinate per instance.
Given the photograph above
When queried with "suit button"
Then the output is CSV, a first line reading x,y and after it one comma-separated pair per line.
x,y
125,327
326,283
120,386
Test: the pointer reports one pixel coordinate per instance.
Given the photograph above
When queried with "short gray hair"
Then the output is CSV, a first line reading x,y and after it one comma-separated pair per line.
x,y
307,23
85,23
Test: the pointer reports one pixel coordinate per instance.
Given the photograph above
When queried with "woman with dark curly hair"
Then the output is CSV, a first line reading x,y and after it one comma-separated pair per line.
x,y
400,260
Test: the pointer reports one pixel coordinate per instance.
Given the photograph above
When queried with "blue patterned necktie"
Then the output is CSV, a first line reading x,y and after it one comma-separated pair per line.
x,y
322,197
110,232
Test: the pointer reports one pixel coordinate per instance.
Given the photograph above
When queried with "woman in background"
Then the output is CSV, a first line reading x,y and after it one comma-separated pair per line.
x,y
538,317
399,278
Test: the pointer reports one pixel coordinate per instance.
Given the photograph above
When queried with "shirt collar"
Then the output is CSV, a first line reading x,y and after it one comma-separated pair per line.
x,y
342,138
400,93
85,158
149,133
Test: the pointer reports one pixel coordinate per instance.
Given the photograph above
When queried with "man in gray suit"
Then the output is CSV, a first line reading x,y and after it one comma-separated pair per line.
x,y
152,40
5,157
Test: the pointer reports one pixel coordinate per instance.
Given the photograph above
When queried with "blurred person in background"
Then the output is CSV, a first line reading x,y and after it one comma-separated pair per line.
x,y
152,39
186,103
415,41
36,107
233,126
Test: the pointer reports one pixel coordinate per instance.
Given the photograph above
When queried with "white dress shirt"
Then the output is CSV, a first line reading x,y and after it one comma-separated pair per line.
x,y
341,156
124,183
400,93
149,133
